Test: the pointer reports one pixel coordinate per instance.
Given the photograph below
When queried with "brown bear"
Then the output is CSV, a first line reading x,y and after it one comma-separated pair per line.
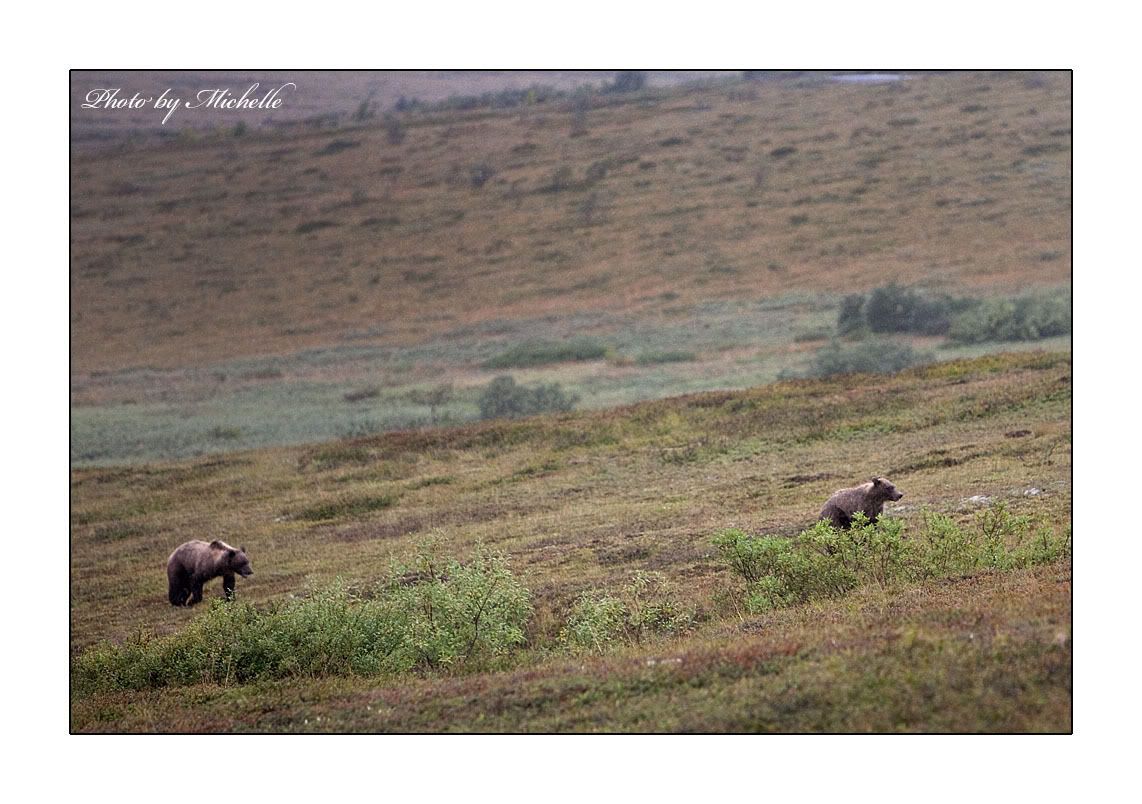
x,y
868,497
196,562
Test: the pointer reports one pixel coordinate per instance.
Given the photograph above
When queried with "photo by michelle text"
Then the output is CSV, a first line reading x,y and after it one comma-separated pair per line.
x,y
253,98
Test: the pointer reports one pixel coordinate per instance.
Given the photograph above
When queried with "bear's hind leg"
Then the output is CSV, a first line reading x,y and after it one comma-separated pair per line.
x,y
178,594
178,590
195,594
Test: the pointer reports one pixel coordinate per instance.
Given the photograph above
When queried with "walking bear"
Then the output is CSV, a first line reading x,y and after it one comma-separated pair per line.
x,y
868,497
196,562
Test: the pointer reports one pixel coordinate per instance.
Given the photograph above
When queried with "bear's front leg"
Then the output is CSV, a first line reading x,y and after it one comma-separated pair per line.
x,y
228,586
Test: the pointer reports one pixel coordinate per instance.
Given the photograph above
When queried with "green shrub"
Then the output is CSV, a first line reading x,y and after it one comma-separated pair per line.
x,y
449,615
503,398
823,562
951,549
783,572
596,621
645,607
462,610
898,309
1025,318
875,356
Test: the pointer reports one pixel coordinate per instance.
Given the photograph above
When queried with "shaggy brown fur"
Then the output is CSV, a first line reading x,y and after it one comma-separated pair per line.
x,y
194,563
867,497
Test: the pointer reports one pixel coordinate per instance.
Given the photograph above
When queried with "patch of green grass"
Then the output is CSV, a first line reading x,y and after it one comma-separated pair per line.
x,y
117,531
666,356
443,480
542,352
337,454
345,508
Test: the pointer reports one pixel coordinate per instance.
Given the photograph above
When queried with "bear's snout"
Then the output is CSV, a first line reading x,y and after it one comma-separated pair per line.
x,y
898,496
245,572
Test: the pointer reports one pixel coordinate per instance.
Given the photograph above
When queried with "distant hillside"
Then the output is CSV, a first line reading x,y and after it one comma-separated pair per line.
x,y
215,247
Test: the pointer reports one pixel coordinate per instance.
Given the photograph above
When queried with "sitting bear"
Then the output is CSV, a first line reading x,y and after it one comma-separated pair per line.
x,y
196,562
867,497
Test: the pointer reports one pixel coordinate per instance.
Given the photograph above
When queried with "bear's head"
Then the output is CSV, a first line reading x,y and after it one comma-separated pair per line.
x,y
235,560
884,489
239,563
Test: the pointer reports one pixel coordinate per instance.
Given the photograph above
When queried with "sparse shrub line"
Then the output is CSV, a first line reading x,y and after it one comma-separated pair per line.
x,y
540,352
822,562
449,615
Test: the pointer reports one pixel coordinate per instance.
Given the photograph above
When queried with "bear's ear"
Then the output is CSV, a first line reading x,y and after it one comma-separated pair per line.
x,y
241,549
217,544
876,481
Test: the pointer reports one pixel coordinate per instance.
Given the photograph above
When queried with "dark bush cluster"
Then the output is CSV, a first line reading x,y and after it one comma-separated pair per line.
x,y
627,81
503,398
897,309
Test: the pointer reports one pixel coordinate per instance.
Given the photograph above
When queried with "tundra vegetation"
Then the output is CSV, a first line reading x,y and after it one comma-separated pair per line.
x,y
531,431
536,574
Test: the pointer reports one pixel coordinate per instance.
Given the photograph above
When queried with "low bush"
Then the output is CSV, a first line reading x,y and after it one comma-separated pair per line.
x,y
645,607
899,309
626,81
452,614
504,399
1026,318
823,562
874,356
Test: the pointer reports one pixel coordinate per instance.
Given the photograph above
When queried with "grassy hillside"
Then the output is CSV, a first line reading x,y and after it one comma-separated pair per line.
x,y
577,503
243,246
293,285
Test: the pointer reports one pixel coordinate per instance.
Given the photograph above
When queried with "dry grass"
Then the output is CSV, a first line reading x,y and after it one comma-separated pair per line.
x,y
200,251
